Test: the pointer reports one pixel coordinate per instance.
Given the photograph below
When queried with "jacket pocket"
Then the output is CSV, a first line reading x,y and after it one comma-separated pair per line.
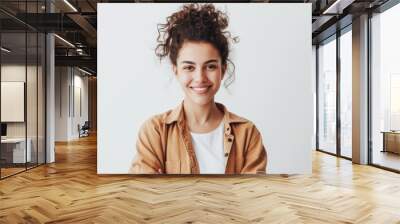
x,y
173,167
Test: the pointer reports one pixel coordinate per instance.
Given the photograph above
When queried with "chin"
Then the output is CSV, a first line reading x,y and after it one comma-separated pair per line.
x,y
203,100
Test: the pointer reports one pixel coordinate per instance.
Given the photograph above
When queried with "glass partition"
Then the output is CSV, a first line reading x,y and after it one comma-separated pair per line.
x,y
13,110
22,77
41,107
32,73
32,95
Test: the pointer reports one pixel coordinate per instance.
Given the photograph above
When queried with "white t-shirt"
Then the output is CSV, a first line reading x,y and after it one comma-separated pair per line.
x,y
209,149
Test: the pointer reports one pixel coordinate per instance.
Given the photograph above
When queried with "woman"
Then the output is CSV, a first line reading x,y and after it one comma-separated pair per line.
x,y
200,136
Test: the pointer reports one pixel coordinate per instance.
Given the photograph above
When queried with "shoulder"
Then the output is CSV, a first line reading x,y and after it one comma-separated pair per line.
x,y
239,120
242,124
234,119
157,121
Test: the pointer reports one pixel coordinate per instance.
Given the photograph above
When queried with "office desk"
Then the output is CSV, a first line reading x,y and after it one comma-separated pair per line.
x,y
13,150
391,141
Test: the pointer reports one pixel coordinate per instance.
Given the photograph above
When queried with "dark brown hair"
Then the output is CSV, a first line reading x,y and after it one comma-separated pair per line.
x,y
196,22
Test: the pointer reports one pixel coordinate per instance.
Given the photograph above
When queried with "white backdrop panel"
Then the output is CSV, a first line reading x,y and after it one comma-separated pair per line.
x,y
273,86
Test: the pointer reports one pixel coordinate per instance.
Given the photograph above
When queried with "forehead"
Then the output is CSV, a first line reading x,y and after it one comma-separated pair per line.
x,y
198,52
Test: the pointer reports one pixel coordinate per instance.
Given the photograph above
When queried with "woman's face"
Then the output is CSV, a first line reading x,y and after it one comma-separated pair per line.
x,y
199,71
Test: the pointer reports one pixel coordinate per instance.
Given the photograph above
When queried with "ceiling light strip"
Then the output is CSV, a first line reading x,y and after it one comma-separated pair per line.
x,y
84,71
70,5
64,40
331,7
5,49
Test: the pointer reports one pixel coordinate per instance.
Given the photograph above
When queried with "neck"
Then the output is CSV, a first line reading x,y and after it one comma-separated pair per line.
x,y
200,114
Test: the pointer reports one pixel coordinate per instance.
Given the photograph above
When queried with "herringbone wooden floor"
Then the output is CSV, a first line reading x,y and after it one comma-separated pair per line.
x,y
70,191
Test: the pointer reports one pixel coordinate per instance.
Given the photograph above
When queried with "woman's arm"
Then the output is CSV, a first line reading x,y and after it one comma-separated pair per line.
x,y
256,155
148,159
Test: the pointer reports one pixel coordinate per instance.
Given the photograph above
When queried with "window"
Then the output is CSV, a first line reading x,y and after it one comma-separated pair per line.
x,y
327,96
385,88
346,93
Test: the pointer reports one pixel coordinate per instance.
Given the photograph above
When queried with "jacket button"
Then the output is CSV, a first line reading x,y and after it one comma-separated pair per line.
x,y
226,154
229,139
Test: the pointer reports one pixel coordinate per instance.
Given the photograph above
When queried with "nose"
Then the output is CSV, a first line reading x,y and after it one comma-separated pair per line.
x,y
200,75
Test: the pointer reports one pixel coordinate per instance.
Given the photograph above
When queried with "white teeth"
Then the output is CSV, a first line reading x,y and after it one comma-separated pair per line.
x,y
200,89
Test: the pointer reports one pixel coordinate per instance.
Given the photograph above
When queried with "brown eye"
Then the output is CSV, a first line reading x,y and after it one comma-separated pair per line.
x,y
211,67
188,68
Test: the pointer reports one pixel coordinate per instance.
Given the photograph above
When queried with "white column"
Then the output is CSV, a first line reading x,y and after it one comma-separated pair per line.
x,y
50,92
50,110
360,90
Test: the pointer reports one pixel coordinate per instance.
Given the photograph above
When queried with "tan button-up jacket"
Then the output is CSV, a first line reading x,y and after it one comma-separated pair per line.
x,y
164,144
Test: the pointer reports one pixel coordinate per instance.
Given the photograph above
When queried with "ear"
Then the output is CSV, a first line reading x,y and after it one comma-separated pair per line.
x,y
174,69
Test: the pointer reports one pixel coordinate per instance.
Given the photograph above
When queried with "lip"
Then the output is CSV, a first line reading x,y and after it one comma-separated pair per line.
x,y
200,89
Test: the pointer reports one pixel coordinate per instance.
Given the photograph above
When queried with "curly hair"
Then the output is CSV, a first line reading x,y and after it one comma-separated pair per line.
x,y
196,22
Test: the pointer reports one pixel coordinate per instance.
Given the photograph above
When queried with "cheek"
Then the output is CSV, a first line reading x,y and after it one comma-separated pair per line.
x,y
215,77
183,79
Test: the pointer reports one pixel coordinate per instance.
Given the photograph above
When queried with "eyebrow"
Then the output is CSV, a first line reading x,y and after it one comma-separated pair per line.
x,y
192,63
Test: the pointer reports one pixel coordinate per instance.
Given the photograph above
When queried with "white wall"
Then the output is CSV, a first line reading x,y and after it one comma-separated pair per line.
x,y
273,85
314,80
15,73
61,103
12,101
68,81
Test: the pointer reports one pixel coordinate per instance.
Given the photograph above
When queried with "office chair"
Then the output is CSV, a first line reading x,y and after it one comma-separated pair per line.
x,y
84,130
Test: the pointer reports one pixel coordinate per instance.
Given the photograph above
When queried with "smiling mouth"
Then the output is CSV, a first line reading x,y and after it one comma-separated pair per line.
x,y
200,90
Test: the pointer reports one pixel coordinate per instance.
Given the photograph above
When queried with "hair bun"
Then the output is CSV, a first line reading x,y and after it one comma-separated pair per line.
x,y
195,22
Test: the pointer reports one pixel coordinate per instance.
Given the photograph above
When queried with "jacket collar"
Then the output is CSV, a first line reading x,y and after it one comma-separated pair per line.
x,y
178,115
